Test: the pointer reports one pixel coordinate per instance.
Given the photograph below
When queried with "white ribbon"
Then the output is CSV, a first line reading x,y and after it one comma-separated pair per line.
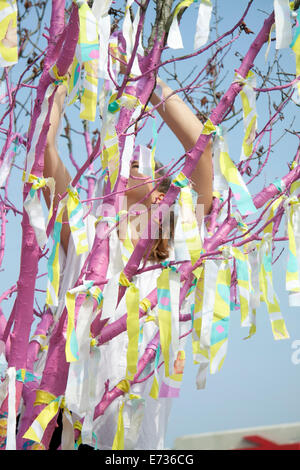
x,y
283,24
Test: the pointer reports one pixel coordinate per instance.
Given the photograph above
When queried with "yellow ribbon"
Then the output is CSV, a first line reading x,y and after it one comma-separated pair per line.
x,y
208,128
145,304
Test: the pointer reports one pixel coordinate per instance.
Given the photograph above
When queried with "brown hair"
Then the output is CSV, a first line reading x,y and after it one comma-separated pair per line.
x,y
161,247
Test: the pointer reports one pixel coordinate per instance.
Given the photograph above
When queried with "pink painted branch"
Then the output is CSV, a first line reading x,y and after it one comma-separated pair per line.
x,y
31,387
220,237
134,50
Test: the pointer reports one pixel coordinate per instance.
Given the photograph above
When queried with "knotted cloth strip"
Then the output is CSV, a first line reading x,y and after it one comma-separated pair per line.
x,y
86,58
8,23
75,215
39,425
295,45
30,157
188,218
197,315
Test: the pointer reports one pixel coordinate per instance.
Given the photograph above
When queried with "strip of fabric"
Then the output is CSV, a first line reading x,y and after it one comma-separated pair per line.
x,y
8,23
283,24
248,97
174,36
133,327
33,207
188,218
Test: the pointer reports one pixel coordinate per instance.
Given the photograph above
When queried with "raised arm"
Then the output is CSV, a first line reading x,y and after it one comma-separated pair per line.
x,y
187,128
53,166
